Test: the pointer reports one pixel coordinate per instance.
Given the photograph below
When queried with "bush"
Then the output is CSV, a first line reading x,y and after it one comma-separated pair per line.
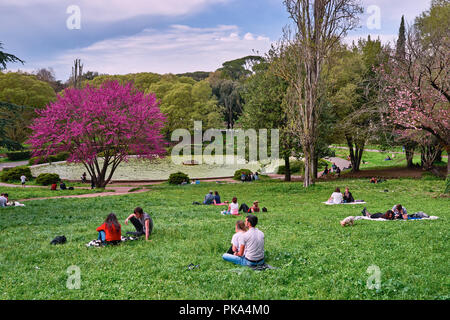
x,y
238,173
62,156
178,178
18,155
14,174
296,167
46,179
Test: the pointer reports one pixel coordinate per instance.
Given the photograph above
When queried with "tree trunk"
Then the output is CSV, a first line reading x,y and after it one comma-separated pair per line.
x,y
316,165
309,167
409,153
355,155
287,165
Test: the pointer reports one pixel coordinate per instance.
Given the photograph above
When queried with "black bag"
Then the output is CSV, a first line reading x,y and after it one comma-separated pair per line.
x,y
59,240
264,209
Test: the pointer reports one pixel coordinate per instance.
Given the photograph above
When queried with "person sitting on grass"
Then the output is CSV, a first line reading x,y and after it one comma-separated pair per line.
x,y
233,208
63,186
142,222
3,200
348,198
209,198
236,241
217,200
110,232
54,187
255,208
389,215
336,197
326,171
251,251
373,180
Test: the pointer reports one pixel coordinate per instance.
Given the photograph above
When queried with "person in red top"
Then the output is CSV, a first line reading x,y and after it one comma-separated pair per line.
x,y
110,231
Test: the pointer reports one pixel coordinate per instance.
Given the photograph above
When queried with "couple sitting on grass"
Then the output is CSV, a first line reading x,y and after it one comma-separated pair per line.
x,y
234,208
247,244
110,232
213,198
337,197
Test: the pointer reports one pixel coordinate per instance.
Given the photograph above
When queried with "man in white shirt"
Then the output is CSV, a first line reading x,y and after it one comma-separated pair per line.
x,y
251,251
23,179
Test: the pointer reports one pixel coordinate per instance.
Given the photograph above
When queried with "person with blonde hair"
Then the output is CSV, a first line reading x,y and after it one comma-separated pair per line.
x,y
236,241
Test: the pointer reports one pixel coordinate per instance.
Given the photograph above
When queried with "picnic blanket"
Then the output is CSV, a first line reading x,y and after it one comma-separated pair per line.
x,y
381,219
98,243
331,203
15,204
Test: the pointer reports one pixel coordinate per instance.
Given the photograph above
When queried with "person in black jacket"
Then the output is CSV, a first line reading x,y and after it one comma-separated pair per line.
x,y
348,198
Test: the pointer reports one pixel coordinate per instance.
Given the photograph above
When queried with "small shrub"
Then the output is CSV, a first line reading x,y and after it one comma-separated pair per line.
x,y
238,173
46,179
18,155
14,174
178,178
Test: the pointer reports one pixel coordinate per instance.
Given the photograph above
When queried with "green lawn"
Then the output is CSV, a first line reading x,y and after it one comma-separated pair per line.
x,y
316,257
376,159
17,193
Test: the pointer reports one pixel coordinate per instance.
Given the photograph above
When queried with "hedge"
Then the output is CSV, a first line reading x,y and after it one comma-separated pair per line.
x,y
46,179
14,174
18,155
62,156
178,178
238,173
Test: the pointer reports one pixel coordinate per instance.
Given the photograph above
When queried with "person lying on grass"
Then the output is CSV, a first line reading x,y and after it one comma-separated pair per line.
x,y
389,215
236,241
233,208
110,232
142,222
251,251
336,197
253,209
400,212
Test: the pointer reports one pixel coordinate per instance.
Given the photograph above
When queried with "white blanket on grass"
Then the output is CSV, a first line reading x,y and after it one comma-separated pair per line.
x,y
381,219
332,203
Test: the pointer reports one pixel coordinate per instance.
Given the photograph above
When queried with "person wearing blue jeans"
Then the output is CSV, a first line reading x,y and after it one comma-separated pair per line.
x,y
102,236
251,252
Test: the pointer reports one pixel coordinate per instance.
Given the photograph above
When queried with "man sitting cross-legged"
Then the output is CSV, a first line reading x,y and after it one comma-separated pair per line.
x,y
142,222
251,251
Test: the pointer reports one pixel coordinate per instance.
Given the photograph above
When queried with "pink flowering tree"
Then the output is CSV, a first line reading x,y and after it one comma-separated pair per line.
x,y
100,128
416,88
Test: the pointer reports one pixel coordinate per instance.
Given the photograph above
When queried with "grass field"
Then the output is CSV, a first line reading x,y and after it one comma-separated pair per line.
x,y
316,257
18,193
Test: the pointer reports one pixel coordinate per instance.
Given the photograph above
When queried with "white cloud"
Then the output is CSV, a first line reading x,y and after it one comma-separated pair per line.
x,y
176,50
113,10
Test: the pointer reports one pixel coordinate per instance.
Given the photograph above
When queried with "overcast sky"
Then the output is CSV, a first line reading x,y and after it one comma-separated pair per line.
x,y
163,36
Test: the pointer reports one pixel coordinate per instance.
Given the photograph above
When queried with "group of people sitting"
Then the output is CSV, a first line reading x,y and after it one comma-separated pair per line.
x,y
247,244
110,232
376,180
337,197
334,168
234,208
249,177
62,186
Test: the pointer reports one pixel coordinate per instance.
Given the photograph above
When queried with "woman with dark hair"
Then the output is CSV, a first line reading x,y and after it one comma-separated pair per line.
x,y
110,231
233,208
348,197
389,215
